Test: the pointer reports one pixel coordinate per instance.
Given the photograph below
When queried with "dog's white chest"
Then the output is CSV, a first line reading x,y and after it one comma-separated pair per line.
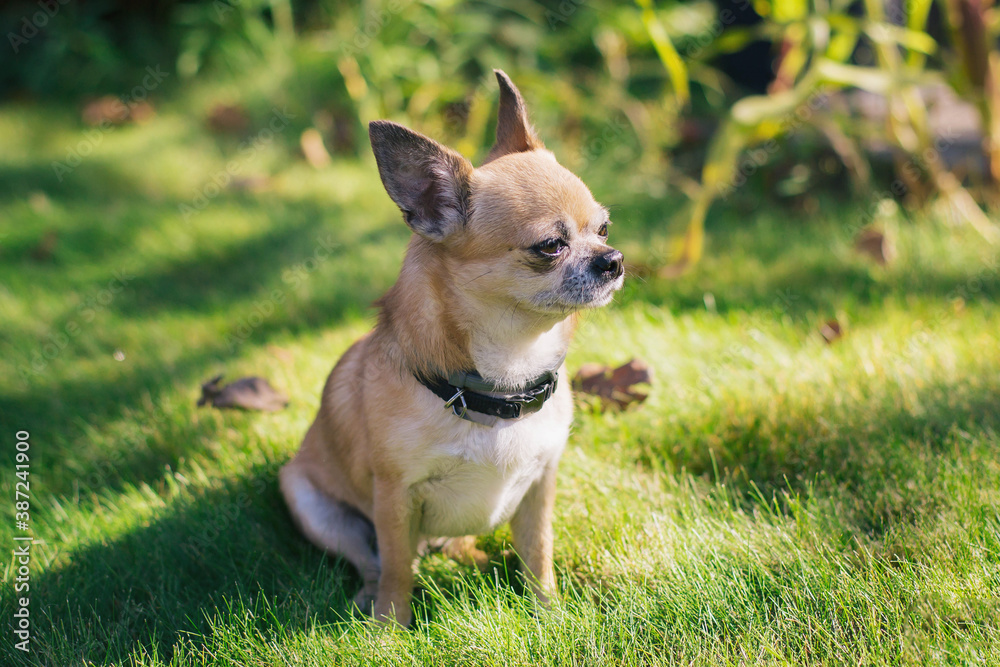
x,y
477,481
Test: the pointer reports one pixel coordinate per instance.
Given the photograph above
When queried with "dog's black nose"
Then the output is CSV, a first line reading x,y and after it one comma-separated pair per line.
x,y
610,265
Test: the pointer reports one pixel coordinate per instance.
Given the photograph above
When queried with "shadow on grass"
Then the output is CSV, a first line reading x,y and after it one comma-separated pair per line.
x,y
75,212
203,564
145,588
277,260
96,181
95,403
61,407
60,416
171,577
234,548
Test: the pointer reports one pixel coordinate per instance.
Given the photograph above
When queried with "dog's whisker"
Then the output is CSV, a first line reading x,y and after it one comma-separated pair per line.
x,y
513,312
486,272
503,314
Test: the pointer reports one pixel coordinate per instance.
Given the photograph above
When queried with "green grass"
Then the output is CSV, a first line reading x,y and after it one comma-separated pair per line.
x,y
777,500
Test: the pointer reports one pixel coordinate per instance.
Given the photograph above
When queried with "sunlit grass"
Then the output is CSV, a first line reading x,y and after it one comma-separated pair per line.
x,y
777,500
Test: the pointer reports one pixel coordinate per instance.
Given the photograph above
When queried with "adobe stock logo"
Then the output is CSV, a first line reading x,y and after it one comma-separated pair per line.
x,y
121,108
31,25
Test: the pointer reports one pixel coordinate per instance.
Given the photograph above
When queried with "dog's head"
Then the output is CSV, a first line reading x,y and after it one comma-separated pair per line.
x,y
520,229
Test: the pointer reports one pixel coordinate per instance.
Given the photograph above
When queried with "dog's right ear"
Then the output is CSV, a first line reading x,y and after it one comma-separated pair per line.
x,y
514,132
429,182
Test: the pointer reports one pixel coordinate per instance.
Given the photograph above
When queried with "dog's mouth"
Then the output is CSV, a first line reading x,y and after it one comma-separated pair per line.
x,y
578,293
604,293
605,296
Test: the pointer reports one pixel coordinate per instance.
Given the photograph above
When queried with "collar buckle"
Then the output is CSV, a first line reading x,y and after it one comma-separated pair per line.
x,y
450,403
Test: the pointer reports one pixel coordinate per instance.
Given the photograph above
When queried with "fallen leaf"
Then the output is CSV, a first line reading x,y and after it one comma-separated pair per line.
x,y
616,387
588,373
107,109
876,245
831,331
249,183
808,204
315,152
110,109
633,372
46,246
140,112
228,119
249,393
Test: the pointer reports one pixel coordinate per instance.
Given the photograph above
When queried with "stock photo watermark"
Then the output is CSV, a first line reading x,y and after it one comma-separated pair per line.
x,y
224,516
292,277
33,24
563,12
697,43
22,541
372,24
247,151
93,305
973,286
758,156
94,137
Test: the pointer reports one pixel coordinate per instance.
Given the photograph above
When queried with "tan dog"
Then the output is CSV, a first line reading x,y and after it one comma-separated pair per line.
x,y
447,420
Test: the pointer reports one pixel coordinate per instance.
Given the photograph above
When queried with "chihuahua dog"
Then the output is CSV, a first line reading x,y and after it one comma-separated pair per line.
x,y
448,418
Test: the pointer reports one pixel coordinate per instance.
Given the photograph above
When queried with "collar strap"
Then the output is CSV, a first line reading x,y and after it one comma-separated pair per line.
x,y
462,392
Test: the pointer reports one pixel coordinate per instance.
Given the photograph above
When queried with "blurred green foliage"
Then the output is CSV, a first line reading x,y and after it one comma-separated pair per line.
x,y
586,62
676,89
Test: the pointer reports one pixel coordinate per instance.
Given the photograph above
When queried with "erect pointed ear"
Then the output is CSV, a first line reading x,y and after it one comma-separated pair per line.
x,y
428,182
514,133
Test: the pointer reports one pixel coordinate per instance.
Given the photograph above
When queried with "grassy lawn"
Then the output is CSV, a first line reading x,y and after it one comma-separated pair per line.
x,y
777,500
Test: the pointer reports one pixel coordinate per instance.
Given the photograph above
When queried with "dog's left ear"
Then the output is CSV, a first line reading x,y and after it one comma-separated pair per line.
x,y
514,132
428,182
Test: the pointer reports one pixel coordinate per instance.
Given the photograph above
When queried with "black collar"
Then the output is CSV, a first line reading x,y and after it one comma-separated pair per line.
x,y
461,392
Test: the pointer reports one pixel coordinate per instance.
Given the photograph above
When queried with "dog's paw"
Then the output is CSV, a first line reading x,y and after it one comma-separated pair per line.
x,y
463,550
364,601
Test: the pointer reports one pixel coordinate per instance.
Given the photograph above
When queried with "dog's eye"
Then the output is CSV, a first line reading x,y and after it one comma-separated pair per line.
x,y
551,247
603,231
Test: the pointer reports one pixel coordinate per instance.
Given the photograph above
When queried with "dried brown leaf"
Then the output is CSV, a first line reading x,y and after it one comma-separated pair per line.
x,y
617,387
874,244
107,109
228,119
46,246
254,183
831,331
634,372
111,110
140,112
589,377
249,393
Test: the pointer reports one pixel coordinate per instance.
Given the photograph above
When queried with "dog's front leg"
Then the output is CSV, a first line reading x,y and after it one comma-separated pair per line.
x,y
531,526
397,527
